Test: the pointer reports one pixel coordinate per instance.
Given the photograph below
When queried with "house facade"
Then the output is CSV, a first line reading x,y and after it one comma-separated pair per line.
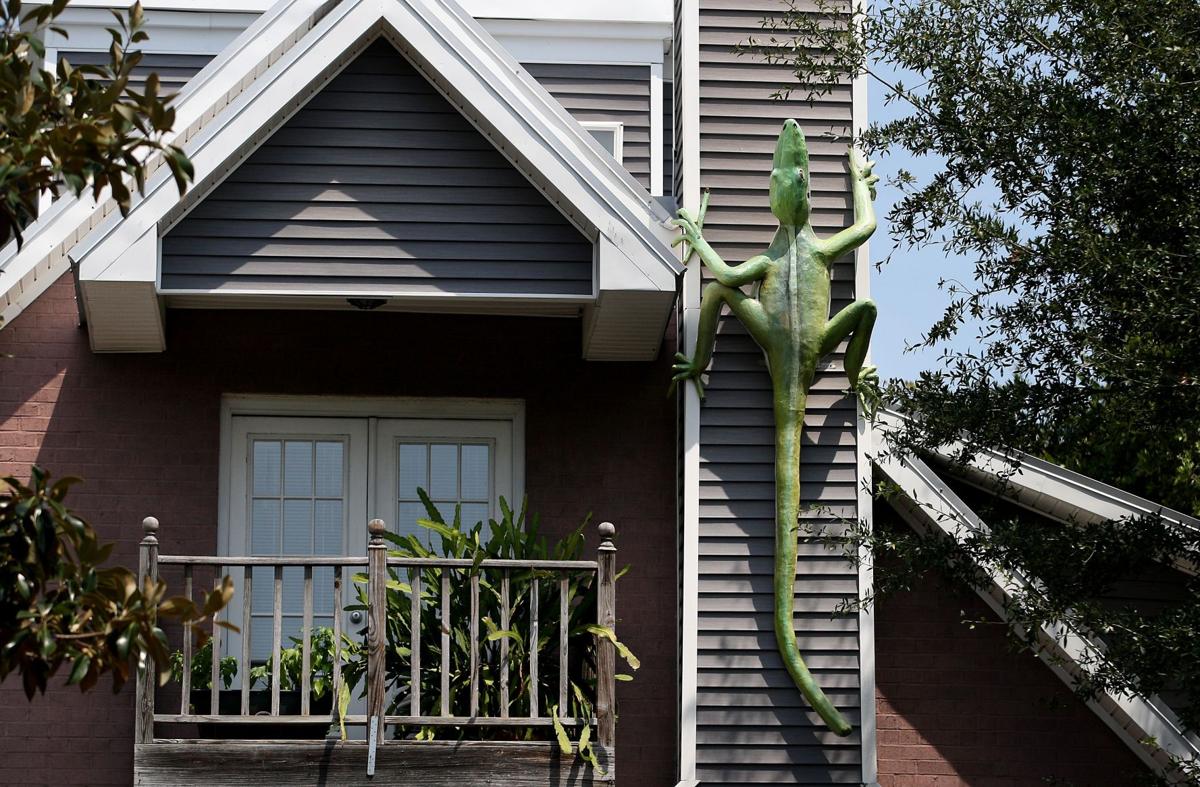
x,y
429,245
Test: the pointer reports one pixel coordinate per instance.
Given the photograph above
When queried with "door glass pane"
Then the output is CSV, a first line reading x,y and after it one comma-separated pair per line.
x,y
413,464
266,467
297,527
327,539
476,512
298,507
329,469
475,473
452,472
298,467
264,527
443,472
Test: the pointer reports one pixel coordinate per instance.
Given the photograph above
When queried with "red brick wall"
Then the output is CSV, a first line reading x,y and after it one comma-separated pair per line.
x,y
957,706
143,430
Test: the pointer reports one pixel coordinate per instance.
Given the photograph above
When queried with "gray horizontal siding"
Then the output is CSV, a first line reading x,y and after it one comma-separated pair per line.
x,y
668,152
377,185
173,70
754,727
612,93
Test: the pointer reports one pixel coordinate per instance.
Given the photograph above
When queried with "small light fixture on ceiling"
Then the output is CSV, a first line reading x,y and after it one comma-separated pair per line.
x,y
366,304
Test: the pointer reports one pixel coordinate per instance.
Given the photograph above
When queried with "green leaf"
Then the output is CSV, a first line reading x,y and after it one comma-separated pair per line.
x,y
80,670
560,732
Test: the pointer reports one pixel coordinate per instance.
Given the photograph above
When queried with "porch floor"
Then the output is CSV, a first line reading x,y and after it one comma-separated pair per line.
x,y
204,763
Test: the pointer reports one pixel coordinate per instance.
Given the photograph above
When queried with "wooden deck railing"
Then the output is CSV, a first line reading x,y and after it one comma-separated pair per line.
x,y
377,564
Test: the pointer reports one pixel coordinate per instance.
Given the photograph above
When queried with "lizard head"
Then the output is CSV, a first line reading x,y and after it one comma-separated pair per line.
x,y
789,176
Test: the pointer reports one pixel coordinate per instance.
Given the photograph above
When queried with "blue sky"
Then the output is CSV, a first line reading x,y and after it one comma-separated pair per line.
x,y
906,288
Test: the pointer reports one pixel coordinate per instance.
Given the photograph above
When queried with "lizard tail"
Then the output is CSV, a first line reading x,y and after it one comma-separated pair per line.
x,y
789,424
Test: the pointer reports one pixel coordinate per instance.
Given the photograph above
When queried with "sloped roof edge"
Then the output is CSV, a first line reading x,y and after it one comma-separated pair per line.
x,y
26,272
930,504
1039,485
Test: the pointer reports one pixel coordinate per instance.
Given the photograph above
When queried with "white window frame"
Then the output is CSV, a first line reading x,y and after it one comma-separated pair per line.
x,y
618,131
448,413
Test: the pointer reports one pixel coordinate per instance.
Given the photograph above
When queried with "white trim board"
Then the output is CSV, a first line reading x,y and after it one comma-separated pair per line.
x,y
687,114
930,504
584,10
527,39
865,500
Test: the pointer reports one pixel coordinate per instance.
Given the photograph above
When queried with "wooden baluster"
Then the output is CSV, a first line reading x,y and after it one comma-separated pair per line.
x,y
337,634
445,642
215,675
504,624
414,678
533,649
306,643
474,634
563,614
185,688
247,622
376,625
606,616
277,641
148,679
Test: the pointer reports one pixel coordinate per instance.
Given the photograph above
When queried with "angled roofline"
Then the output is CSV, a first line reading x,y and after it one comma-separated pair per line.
x,y
1046,488
929,505
26,272
637,271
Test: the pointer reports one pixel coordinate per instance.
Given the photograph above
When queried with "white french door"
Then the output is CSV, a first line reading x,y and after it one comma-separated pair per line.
x,y
307,485
298,488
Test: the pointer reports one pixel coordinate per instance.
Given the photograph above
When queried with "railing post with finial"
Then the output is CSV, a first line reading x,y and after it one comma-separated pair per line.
x,y
606,616
148,676
376,628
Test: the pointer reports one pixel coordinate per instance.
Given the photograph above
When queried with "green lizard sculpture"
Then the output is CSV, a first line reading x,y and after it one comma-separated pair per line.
x,y
788,316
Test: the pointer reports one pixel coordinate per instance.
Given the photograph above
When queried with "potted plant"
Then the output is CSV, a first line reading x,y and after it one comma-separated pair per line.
x,y
229,700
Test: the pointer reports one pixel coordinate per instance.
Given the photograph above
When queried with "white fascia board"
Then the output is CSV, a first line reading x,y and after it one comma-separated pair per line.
x,y
593,41
182,32
582,10
933,505
26,272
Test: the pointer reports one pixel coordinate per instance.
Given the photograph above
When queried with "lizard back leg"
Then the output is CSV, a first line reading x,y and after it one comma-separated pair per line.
x,y
855,321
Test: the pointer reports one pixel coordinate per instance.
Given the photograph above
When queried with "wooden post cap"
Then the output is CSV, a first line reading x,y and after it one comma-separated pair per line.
x,y
376,528
607,530
150,527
